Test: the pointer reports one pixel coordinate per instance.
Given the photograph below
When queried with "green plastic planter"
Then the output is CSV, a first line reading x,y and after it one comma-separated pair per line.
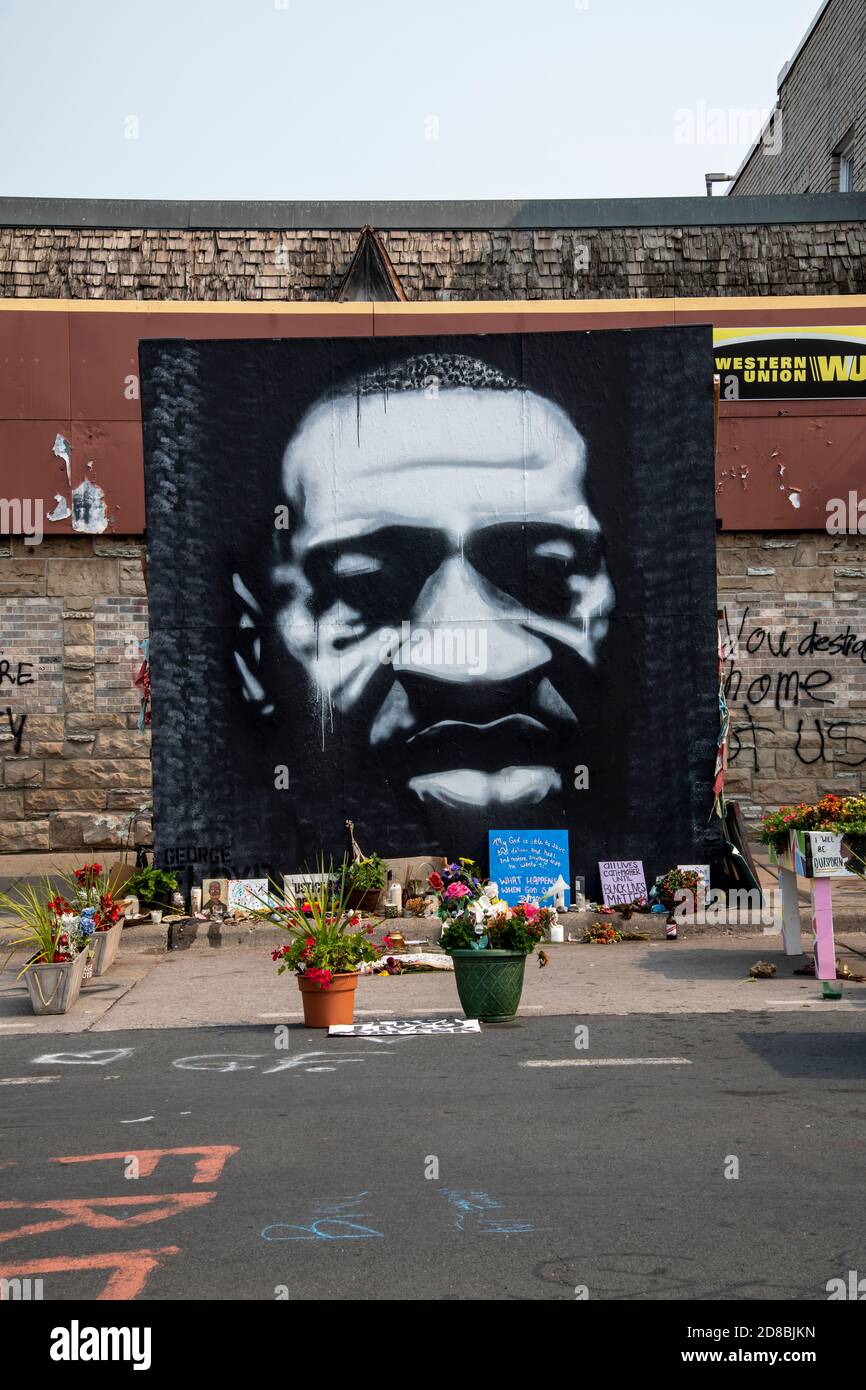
x,y
489,983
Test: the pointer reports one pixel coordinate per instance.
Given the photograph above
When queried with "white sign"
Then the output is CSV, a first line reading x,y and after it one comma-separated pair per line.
x,y
405,1027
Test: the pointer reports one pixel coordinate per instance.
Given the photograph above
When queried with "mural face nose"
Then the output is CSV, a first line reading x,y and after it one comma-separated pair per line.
x,y
472,630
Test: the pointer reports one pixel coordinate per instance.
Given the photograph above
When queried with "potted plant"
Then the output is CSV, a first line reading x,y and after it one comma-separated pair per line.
x,y
153,888
671,888
487,940
55,970
787,829
100,916
365,879
326,944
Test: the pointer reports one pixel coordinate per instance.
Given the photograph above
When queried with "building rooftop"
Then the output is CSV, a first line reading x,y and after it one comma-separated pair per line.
x,y
433,216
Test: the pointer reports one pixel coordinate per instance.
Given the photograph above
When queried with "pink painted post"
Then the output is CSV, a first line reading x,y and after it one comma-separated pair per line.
x,y
822,924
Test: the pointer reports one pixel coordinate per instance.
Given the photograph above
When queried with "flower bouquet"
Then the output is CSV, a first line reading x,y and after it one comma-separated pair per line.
x,y
678,887
487,940
327,944
52,929
100,917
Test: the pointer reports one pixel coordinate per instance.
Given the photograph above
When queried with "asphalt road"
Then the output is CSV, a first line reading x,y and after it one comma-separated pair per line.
x,y
549,1178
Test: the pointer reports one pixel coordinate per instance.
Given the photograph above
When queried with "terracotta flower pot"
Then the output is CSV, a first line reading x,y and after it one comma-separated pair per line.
x,y
334,1004
54,988
105,944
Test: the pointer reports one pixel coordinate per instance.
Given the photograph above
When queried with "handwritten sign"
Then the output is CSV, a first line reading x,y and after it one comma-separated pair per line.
x,y
622,880
527,863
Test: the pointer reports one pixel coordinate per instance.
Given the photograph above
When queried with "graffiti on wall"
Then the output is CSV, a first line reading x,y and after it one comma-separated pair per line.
x,y
419,583
771,669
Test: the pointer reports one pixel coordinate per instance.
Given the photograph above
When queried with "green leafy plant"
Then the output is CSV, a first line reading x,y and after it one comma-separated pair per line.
x,y
326,937
843,815
675,881
366,875
40,914
152,887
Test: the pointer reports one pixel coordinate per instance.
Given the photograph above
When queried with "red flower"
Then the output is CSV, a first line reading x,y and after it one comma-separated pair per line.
x,y
436,881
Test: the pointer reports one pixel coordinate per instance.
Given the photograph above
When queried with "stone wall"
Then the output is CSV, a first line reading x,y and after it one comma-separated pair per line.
x,y
795,623
72,613
73,764
820,101
589,263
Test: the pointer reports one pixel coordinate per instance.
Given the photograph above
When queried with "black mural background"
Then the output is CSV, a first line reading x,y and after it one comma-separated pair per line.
x,y
217,418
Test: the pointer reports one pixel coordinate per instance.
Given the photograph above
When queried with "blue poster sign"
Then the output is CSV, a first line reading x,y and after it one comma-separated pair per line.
x,y
527,863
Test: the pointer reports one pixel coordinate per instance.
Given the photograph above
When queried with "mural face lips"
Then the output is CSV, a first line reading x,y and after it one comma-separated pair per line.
x,y
445,572
465,787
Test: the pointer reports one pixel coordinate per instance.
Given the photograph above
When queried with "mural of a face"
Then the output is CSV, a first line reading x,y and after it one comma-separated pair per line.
x,y
434,585
443,577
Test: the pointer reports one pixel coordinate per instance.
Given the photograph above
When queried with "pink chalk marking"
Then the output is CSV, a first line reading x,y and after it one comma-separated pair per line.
x,y
131,1268
822,925
92,1212
208,1167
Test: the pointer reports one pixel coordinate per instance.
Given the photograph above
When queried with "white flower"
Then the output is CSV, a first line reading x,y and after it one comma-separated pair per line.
x,y
69,921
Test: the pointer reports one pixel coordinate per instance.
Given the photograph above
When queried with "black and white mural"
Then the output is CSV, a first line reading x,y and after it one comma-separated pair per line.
x,y
434,586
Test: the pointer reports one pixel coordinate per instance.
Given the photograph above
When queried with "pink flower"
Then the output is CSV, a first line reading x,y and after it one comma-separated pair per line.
x,y
457,890
530,911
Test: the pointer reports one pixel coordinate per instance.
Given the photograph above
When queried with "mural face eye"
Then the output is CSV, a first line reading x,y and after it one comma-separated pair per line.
x,y
537,559
376,578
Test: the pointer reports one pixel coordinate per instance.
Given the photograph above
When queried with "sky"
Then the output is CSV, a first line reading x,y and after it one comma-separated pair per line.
x,y
384,99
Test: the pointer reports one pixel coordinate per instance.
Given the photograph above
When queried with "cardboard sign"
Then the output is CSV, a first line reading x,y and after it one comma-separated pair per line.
x,y
622,880
818,854
527,863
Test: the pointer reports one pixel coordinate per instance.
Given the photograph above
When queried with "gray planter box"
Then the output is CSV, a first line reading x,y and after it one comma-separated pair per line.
x,y
54,988
105,945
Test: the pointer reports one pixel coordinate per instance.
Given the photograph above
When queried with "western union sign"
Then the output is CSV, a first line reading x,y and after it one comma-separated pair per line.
x,y
790,363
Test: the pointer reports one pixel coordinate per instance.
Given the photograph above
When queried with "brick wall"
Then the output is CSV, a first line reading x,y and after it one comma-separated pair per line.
x,y
73,611
798,707
75,263
823,96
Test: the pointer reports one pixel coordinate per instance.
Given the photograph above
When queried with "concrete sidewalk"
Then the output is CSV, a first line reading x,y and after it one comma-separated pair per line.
x,y
232,985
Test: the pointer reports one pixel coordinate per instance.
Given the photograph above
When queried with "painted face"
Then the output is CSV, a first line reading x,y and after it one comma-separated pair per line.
x,y
445,562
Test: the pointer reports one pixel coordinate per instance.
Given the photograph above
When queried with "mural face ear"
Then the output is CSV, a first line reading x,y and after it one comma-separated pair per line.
x,y
247,647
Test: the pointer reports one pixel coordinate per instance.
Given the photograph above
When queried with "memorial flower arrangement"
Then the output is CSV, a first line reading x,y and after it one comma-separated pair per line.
x,y
488,941
326,936
475,921
50,925
842,815
91,898
602,934
677,881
